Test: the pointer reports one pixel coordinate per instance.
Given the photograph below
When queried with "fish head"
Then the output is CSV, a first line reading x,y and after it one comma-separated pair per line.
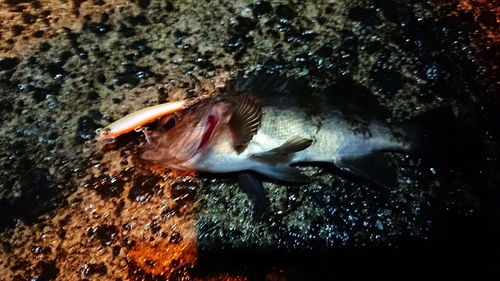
x,y
183,136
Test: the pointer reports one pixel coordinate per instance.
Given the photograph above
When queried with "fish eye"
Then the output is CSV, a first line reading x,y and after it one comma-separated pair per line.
x,y
168,122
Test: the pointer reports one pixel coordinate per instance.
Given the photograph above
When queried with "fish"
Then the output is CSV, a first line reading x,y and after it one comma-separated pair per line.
x,y
269,128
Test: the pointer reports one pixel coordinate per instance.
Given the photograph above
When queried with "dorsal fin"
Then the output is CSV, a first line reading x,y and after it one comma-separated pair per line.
x,y
245,120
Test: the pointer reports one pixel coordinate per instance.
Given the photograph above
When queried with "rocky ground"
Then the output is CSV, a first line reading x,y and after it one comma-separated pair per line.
x,y
74,209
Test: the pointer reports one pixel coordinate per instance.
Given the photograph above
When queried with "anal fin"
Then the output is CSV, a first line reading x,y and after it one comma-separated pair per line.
x,y
282,172
374,167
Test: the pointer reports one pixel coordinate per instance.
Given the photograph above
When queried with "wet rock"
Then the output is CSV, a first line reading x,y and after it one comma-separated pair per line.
x,y
180,35
73,38
367,17
101,28
44,47
302,59
323,196
397,13
137,20
162,261
94,269
169,7
40,251
36,4
38,195
116,250
36,182
387,79
285,13
132,75
96,115
14,3
423,38
433,73
183,192
204,63
108,186
143,3
28,18
341,214
76,6
175,238
41,94
8,63
349,44
17,30
18,9
239,33
127,31
347,54
6,106
85,130
18,148
53,135
101,78
93,95
55,69
489,18
46,271
299,37
33,61
142,48
143,189
274,66
64,56
325,51
105,233
244,25
155,226
169,213
261,8
9,213
38,34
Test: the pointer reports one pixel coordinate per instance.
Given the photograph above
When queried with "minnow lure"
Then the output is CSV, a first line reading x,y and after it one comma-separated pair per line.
x,y
137,119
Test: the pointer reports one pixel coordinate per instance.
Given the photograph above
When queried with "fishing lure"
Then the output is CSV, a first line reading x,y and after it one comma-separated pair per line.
x,y
138,119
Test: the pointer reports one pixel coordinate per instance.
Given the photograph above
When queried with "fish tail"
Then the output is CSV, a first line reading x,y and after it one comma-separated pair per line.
x,y
440,139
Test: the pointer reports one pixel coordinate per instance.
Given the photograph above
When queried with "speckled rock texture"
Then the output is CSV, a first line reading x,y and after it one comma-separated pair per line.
x,y
74,209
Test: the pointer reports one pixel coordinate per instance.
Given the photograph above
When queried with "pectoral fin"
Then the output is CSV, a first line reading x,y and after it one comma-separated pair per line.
x,y
373,167
245,120
290,146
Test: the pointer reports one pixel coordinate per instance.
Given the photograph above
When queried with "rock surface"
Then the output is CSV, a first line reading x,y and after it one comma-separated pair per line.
x,y
71,209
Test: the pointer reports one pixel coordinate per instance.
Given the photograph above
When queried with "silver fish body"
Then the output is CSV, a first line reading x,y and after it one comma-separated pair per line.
x,y
269,136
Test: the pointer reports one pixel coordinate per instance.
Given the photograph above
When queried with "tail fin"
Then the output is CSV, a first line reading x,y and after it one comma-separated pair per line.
x,y
441,140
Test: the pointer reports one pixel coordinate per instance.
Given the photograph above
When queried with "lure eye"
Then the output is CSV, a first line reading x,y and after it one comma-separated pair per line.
x,y
168,122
